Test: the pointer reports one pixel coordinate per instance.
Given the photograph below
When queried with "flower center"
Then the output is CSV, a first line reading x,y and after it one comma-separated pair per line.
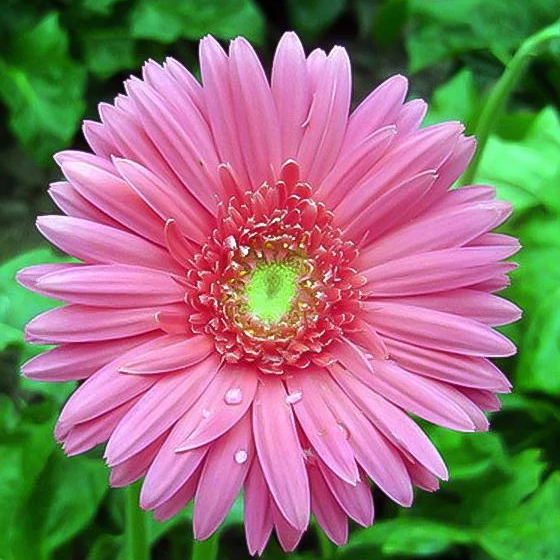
x,y
273,285
271,290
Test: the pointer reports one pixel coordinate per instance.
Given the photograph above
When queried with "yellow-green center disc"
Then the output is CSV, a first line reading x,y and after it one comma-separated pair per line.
x,y
270,291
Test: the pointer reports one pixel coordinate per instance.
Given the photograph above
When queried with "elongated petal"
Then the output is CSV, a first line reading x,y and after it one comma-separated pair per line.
x,y
321,428
229,406
292,104
397,427
232,453
179,500
376,455
274,427
114,197
159,409
356,501
326,509
257,510
438,330
175,352
436,271
97,243
116,286
79,360
468,371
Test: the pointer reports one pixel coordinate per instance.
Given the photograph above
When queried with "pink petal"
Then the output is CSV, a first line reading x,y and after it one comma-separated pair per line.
x,y
219,105
166,201
28,277
114,197
469,371
326,124
112,285
288,536
255,112
160,407
380,108
391,209
78,360
353,168
175,352
137,466
473,304
356,501
97,243
86,435
410,116
376,455
328,513
320,427
178,501
461,224
395,425
292,104
104,390
438,330
72,203
436,271
231,454
99,138
285,473
257,510
421,396
192,167
229,406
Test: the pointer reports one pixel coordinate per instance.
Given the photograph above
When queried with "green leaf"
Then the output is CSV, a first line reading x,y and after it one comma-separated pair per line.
x,y
43,88
108,51
313,17
455,100
528,531
408,536
539,367
24,452
446,28
64,502
167,20
526,172
9,336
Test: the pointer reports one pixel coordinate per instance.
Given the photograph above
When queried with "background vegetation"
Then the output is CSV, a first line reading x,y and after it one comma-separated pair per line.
x,y
60,57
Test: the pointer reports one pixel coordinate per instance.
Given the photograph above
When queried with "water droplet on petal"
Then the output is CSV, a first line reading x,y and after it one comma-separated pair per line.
x,y
233,395
240,456
344,430
294,397
206,413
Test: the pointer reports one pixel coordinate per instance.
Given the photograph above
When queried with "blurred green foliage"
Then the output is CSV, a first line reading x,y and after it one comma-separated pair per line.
x,y
60,57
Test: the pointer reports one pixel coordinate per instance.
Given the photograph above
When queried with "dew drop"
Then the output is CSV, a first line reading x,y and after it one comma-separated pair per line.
x,y
343,430
205,412
240,456
294,397
233,396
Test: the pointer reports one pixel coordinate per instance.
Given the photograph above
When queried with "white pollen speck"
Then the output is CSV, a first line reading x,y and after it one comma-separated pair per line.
x,y
240,456
205,412
233,396
230,242
294,397
244,250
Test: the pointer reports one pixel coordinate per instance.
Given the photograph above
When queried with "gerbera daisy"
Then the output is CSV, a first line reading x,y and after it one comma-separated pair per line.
x,y
269,285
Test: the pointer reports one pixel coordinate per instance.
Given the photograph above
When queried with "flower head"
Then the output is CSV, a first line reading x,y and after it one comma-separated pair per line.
x,y
268,285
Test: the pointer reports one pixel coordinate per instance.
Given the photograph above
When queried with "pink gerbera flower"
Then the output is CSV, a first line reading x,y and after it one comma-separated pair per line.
x,y
268,286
